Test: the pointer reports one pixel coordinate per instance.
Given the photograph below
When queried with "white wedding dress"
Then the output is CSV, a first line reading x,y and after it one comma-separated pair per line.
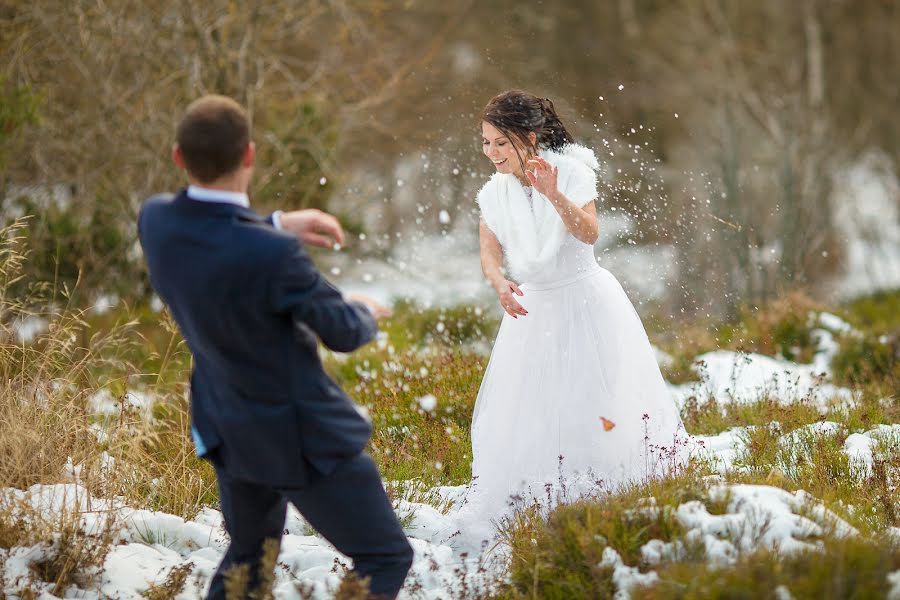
x,y
572,401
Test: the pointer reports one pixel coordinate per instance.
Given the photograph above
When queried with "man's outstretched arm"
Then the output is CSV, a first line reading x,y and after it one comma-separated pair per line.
x,y
342,324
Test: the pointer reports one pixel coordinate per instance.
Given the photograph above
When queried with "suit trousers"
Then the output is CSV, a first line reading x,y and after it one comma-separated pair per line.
x,y
349,507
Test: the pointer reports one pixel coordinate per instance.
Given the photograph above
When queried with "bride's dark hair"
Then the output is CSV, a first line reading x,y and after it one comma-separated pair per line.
x,y
515,114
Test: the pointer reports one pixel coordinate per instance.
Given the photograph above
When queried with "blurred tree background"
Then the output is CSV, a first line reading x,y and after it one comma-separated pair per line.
x,y
722,124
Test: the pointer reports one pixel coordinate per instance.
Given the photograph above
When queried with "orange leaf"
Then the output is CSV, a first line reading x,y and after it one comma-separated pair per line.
x,y
607,424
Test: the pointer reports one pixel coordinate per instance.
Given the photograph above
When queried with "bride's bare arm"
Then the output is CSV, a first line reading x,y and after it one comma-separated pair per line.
x,y
491,256
491,263
581,222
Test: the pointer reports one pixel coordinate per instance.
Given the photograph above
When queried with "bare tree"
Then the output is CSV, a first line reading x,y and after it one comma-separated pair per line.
x,y
115,76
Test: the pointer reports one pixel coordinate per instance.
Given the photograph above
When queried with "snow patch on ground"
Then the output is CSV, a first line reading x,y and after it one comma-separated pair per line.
x,y
149,544
860,447
102,402
729,377
724,450
734,377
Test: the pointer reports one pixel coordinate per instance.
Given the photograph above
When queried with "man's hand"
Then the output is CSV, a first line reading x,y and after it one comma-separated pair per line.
x,y
314,227
377,310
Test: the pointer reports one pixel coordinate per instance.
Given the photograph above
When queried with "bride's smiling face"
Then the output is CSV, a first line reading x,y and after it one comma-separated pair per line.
x,y
500,150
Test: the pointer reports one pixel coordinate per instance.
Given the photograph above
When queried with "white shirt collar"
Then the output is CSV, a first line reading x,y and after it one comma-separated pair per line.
x,y
195,192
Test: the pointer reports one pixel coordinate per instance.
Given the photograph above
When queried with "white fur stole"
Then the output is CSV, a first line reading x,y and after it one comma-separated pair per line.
x,y
531,238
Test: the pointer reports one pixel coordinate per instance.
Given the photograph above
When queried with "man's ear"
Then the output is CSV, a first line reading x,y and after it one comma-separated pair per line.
x,y
532,137
177,157
249,155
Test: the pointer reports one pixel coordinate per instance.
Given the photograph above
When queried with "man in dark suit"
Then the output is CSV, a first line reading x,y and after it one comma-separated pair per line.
x,y
250,305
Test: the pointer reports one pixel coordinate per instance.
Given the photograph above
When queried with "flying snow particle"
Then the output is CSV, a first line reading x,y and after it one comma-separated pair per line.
x,y
367,277
335,270
440,327
336,247
427,403
621,87
444,217
323,181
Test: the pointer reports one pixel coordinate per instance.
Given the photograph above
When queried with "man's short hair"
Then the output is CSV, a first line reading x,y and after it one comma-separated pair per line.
x,y
213,135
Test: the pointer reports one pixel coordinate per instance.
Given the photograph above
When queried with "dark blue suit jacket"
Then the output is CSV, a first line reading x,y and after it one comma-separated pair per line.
x,y
250,304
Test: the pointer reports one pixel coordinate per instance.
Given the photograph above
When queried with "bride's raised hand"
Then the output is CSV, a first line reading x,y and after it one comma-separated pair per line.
x,y
543,176
507,292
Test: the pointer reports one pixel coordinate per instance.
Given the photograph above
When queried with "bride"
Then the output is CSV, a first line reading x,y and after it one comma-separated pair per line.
x,y
572,399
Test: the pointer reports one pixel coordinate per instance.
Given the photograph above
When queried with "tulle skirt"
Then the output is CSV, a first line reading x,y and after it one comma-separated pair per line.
x,y
572,403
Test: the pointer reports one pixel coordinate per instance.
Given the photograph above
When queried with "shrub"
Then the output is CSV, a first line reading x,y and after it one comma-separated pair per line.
x,y
391,387
781,328
560,555
853,567
878,312
445,326
868,358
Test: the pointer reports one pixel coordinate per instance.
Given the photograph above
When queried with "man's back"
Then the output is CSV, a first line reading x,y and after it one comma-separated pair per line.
x,y
250,304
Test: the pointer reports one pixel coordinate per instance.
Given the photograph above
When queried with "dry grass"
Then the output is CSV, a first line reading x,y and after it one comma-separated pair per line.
x,y
46,425
240,585
156,462
74,557
44,420
173,585
70,551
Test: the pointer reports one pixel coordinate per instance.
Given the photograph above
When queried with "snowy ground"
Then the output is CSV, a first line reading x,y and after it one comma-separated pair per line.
x,y
149,545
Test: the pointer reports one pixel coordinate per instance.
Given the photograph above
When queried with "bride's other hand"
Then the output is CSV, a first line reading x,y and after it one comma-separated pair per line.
x,y
543,176
507,292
